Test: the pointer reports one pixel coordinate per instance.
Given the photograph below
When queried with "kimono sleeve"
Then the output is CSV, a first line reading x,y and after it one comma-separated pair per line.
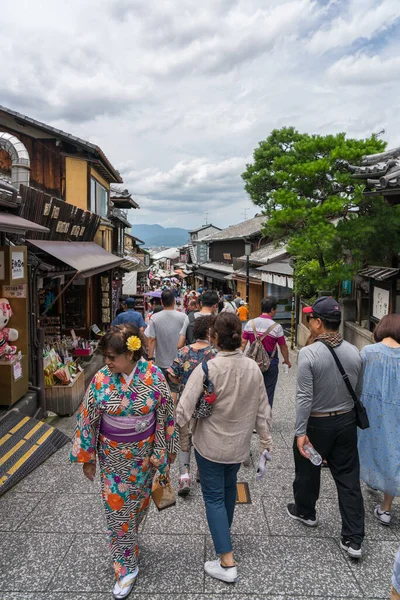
x,y
176,369
167,437
87,428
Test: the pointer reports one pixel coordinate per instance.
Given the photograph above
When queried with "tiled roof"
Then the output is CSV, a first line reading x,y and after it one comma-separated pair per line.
x,y
253,273
204,227
266,254
381,172
66,136
219,267
240,231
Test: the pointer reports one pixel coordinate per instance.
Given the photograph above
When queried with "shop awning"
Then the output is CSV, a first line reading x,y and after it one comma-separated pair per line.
x,y
87,258
10,223
380,273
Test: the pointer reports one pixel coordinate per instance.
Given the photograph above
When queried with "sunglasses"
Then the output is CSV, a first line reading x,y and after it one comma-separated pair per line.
x,y
309,317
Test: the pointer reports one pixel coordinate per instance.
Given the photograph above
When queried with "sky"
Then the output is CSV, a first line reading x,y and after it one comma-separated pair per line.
x,y
178,94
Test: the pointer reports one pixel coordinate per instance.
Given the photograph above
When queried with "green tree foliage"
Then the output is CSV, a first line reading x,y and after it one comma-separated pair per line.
x,y
329,225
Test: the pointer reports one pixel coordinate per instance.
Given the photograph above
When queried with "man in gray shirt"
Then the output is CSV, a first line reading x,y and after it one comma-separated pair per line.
x,y
325,419
163,332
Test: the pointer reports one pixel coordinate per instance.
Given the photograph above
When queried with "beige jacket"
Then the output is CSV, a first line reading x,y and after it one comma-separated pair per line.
x,y
241,405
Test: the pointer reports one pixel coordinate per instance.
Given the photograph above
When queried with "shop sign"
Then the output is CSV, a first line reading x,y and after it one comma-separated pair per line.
x,y
380,303
17,265
14,291
17,370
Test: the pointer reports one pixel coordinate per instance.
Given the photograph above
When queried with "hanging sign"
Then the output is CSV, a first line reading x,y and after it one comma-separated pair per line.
x,y
14,291
380,306
17,265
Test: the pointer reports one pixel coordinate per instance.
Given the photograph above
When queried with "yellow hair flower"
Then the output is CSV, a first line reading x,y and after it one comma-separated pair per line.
x,y
133,343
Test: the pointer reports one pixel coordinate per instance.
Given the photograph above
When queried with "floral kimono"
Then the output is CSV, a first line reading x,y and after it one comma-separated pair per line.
x,y
127,469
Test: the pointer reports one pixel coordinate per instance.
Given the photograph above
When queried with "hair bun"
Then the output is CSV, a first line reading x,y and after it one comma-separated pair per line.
x,y
235,337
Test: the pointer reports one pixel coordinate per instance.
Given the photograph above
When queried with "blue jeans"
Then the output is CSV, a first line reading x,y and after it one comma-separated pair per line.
x,y
270,381
218,484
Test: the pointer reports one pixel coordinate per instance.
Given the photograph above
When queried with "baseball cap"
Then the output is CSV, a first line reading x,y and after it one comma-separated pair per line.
x,y
130,302
324,307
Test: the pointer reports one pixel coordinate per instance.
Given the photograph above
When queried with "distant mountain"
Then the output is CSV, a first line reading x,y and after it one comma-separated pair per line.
x,y
155,235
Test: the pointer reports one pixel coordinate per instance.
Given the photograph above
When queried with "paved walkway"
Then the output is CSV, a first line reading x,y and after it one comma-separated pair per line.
x,y
53,544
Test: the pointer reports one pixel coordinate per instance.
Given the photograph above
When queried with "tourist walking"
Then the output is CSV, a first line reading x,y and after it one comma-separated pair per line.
x,y
126,420
272,336
183,366
325,418
130,315
209,305
222,440
121,308
379,446
238,299
229,305
243,313
163,332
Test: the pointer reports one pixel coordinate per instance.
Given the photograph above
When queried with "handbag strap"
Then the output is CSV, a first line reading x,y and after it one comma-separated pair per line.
x,y
206,380
343,372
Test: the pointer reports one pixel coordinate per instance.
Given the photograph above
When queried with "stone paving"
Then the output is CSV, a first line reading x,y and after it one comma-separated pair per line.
x,y
53,544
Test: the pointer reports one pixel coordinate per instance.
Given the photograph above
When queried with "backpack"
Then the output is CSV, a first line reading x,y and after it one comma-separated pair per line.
x,y
190,339
258,353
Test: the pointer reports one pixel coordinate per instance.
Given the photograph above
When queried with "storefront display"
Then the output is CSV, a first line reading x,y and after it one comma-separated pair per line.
x,y
105,300
14,375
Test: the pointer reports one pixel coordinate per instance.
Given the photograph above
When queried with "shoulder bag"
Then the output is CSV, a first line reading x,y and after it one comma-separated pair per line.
x,y
361,412
207,397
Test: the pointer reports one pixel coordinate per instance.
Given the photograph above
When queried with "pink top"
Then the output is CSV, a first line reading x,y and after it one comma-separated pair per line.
x,y
262,323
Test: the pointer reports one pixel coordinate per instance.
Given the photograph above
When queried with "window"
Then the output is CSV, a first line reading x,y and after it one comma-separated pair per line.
x,y
98,198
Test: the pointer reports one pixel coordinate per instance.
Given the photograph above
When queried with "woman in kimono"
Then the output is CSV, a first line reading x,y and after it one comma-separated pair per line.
x,y
127,419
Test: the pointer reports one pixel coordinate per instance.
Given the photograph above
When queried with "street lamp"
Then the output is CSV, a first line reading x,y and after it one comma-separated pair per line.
x,y
247,252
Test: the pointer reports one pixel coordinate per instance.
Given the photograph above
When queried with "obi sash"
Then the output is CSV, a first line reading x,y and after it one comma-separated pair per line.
x,y
128,429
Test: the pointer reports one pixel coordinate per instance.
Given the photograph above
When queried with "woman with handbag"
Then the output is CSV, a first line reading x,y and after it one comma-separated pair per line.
x,y
179,372
379,446
222,439
127,420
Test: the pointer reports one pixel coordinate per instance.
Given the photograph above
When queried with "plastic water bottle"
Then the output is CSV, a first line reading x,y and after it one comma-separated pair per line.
x,y
314,456
264,456
286,369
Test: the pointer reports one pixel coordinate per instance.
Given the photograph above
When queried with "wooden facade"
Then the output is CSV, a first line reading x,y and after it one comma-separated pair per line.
x,y
47,171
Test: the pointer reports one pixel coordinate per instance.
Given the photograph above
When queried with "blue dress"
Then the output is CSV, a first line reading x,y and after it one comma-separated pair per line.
x,y
379,446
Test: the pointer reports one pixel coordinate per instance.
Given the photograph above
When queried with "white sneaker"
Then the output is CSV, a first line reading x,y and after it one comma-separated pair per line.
x,y
384,516
124,586
214,569
184,485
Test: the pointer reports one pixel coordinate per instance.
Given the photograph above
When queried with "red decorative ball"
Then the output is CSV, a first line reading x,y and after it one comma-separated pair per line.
x,y
210,398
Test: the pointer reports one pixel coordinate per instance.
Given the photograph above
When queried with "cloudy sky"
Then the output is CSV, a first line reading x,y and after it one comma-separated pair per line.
x,y
178,93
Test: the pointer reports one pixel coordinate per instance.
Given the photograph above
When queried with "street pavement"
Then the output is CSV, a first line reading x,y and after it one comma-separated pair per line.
x,y
53,544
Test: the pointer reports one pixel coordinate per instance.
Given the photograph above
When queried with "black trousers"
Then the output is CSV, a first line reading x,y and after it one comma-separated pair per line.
x,y
270,381
335,438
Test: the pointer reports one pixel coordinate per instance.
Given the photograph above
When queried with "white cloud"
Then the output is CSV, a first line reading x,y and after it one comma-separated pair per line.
x,y
364,19
365,70
178,95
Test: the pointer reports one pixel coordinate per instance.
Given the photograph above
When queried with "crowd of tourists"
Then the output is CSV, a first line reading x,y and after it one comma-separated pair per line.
x,y
203,378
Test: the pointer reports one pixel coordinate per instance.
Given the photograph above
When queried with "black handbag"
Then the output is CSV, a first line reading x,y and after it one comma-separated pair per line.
x,y
362,420
207,397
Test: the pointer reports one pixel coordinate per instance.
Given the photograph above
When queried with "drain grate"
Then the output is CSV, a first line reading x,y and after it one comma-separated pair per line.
x,y
243,493
25,443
